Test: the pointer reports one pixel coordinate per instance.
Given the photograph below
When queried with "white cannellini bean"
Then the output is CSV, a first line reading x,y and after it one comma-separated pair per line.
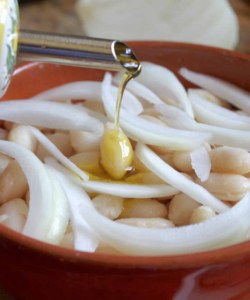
x,y
143,208
21,135
62,142
87,161
228,187
201,213
82,141
182,161
16,211
13,183
108,205
4,161
147,222
168,158
230,160
181,208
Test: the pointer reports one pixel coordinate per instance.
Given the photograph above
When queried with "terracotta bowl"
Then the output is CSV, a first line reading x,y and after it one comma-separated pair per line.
x,y
30,269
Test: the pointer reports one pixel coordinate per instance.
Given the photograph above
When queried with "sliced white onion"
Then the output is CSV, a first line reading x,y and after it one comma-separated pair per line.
x,y
210,113
165,84
84,237
60,208
219,135
148,132
49,115
201,164
210,23
227,137
154,163
80,90
55,152
220,88
88,90
175,117
127,190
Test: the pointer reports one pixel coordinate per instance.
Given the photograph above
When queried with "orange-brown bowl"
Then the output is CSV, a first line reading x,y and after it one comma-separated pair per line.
x,y
30,269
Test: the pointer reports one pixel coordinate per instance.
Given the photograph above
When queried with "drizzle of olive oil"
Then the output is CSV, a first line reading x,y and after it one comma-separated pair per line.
x,y
116,150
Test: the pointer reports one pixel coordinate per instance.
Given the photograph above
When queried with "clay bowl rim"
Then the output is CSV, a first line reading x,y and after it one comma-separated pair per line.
x,y
233,253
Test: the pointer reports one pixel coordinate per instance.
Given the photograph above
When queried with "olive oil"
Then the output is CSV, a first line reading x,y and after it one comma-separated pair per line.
x,y
116,150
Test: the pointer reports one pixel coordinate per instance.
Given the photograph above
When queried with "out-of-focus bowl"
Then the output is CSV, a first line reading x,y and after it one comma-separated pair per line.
x,y
30,269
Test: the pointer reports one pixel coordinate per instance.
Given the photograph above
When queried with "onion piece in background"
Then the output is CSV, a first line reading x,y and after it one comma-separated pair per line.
x,y
220,88
175,118
203,22
210,113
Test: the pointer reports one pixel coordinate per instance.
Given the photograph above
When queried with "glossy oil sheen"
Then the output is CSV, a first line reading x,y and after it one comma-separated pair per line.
x,y
34,270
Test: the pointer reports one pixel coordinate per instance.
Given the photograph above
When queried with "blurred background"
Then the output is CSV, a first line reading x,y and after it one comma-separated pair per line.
x,y
219,23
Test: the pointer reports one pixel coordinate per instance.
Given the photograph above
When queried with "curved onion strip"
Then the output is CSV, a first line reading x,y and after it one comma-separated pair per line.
x,y
60,209
220,88
84,237
139,90
165,84
127,190
88,90
41,205
49,114
79,90
210,113
55,152
201,164
175,117
227,137
177,240
219,135
154,163
148,132
124,190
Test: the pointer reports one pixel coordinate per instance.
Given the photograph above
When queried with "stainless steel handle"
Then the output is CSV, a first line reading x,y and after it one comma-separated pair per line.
x,y
76,51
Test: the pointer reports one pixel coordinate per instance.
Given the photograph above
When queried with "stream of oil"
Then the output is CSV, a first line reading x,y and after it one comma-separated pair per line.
x,y
116,149
129,74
